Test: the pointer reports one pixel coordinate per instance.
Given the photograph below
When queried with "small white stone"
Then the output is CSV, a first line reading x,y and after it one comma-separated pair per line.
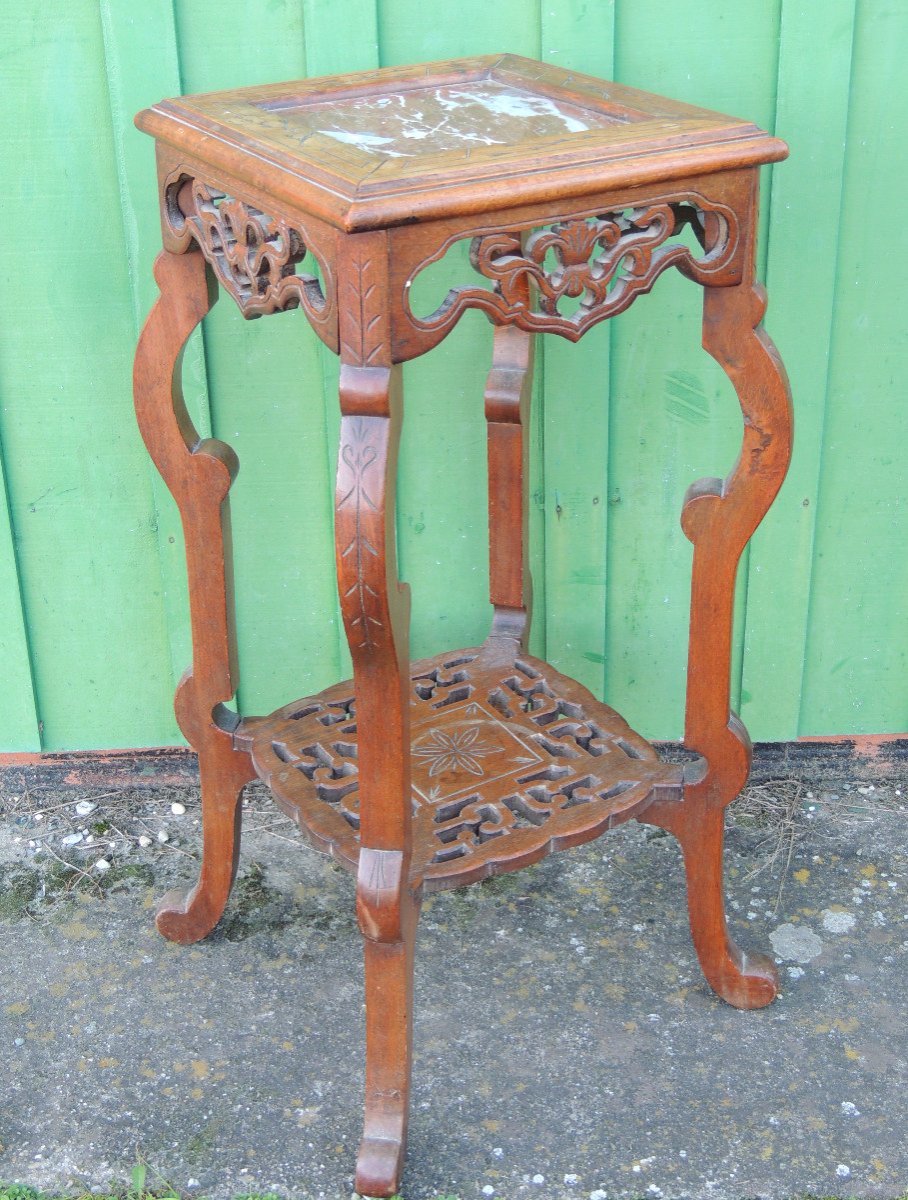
x,y
102,865
144,840
192,1183
599,1194
795,972
488,1190
570,1179
842,1171
538,1178
849,1109
636,1168
639,928
682,1154
177,809
39,816
163,836
84,808
498,1152
71,839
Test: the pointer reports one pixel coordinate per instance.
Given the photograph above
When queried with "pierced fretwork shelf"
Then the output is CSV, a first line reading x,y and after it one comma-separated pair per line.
x,y
509,761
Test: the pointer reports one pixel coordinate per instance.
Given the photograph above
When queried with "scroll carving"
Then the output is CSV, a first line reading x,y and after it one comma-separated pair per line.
x,y
254,256
604,262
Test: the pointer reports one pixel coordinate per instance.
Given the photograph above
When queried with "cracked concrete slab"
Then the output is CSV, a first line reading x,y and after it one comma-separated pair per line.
x,y
566,1044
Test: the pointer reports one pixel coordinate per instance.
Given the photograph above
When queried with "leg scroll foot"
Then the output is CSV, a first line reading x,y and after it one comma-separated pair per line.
x,y
742,979
389,1052
190,916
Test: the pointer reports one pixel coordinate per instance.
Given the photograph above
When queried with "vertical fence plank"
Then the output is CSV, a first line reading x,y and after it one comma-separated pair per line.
x,y
577,36
409,31
856,665
356,50
76,474
674,416
267,401
811,115
19,728
136,79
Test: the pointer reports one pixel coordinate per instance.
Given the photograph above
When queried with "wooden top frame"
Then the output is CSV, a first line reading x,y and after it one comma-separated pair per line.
x,y
401,145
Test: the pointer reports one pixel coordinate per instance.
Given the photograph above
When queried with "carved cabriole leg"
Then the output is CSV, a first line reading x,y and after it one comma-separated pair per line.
x,y
198,474
507,405
375,609
719,517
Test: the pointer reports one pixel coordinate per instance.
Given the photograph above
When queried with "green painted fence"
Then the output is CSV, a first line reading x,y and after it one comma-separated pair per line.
x,y
93,625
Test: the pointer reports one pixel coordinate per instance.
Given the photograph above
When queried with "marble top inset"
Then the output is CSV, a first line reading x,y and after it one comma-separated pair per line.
x,y
433,119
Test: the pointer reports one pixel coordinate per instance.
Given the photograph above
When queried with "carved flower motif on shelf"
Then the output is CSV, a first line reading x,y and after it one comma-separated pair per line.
x,y
455,751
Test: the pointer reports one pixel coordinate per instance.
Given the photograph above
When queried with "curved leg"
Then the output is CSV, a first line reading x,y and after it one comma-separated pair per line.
x,y
719,516
375,608
198,474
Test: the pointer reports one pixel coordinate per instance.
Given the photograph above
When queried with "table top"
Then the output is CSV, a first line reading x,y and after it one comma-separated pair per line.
x,y
403,144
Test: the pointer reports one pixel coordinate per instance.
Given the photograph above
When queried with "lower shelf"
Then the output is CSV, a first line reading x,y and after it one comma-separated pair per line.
x,y
510,760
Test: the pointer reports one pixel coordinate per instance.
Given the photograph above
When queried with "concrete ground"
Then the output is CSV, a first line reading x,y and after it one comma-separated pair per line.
x,y
566,1044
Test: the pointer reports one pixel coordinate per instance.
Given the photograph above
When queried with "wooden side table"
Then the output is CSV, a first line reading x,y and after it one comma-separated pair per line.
x,y
332,195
